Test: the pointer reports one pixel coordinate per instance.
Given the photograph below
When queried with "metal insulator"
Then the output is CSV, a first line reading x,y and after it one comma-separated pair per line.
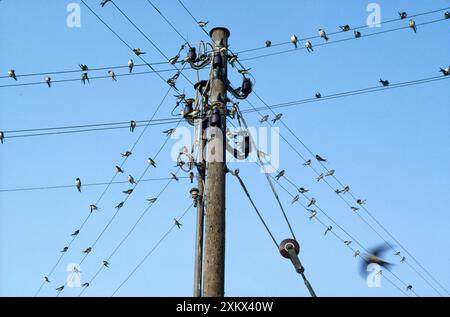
x,y
192,55
246,88
286,244
217,61
215,118
187,110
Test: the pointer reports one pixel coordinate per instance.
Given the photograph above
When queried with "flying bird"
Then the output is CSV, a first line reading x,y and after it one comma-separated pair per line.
x,y
280,174
309,46
294,40
403,15
120,205
303,190
126,154
268,43
357,34
93,207
75,233
131,179
320,159
328,229
151,200
323,34
264,118
374,256
412,25
133,125
307,163
345,28
312,202
130,65
277,117
128,191
177,223
12,74
48,81
151,162
119,169
88,250
78,184
384,82
112,75
138,51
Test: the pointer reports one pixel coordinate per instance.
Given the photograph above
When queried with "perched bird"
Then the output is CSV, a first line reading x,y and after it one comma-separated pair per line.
x,y
172,83
309,46
346,189
191,177
83,67
384,82
403,15
312,214
412,25
277,117
151,200
78,184
93,207
130,65
151,162
294,40
126,154
397,253
64,249
244,71
295,199
119,169
138,51
131,179
48,81
303,190
338,191
128,191
320,159
2,136
174,177
374,257
321,176
280,174
357,34
59,289
112,75
86,284
323,34
360,201
447,15
84,78
133,125
355,209
46,280
445,71
232,59
403,259
348,242
174,59
120,205
169,132
328,229
12,74
357,252
345,28
307,163
177,223
104,2
76,232
318,95
409,287
312,202
202,24
264,118
105,263
330,173
88,250
268,43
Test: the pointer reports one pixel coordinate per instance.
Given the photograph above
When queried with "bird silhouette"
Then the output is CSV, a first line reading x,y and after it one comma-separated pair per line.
x,y
403,15
320,159
126,154
12,74
177,223
357,34
312,202
268,43
151,200
93,207
76,232
48,81
384,82
344,28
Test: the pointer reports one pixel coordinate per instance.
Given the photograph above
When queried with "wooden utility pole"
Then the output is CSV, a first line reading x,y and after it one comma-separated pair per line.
x,y
214,261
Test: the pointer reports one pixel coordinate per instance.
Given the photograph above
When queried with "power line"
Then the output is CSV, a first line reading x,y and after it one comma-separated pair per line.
x,y
192,16
339,32
338,41
150,252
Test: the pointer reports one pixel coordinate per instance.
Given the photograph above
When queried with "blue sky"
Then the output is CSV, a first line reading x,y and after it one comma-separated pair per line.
x,y
391,147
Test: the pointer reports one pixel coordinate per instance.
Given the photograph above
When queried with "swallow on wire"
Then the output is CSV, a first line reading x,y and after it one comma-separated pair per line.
x,y
105,263
12,74
48,81
130,65
307,163
355,209
312,214
191,177
131,179
126,154
295,199
277,117
328,229
2,136
174,177
323,34
264,118
330,173
321,176
120,205
445,71
169,132
345,28
151,200
177,223
312,202
320,159
384,82
309,46
84,78
138,51
202,24
64,249
46,280
447,15
244,71
76,232
128,191
318,95
268,43
151,162
412,25
133,125
119,169
88,250
403,15
78,184
85,284
112,75
93,207
360,201
357,34
294,40
83,67
280,174
59,289
348,242
303,190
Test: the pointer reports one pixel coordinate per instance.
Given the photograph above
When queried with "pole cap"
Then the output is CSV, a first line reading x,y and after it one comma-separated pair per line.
x,y
227,32
286,244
